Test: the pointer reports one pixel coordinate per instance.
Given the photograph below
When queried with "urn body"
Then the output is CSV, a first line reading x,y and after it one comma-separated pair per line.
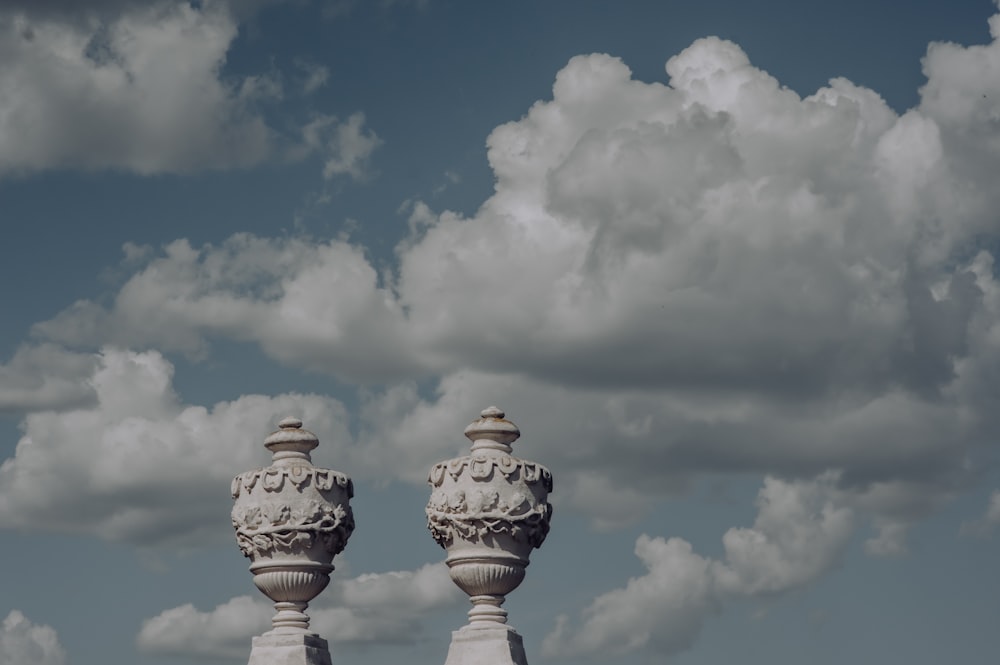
x,y
488,510
291,518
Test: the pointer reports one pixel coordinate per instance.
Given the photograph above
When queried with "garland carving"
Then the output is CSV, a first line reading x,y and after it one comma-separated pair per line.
x,y
265,530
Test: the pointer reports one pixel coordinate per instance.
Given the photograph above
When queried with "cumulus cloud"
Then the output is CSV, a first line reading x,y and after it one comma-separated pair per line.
x,y
371,608
325,295
665,608
800,534
224,632
141,87
138,90
715,233
138,465
708,274
45,377
22,641
619,450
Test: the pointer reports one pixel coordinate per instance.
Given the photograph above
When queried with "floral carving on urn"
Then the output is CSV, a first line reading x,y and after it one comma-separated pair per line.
x,y
291,519
489,509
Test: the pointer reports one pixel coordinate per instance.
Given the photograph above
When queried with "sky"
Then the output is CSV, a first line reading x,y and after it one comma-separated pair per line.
x,y
729,266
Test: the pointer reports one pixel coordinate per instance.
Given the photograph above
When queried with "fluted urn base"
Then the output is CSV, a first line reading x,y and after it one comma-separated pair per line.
x,y
290,585
487,580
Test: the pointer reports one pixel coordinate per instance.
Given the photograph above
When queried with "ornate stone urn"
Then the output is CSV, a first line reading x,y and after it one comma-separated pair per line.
x,y
488,509
291,519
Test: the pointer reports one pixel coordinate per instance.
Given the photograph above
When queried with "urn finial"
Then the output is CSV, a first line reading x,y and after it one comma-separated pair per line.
x,y
290,442
492,431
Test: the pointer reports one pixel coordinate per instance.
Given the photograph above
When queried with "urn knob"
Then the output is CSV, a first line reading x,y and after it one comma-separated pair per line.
x,y
492,431
291,442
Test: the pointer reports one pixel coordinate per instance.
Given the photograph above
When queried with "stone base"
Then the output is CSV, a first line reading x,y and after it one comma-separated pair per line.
x,y
290,649
486,646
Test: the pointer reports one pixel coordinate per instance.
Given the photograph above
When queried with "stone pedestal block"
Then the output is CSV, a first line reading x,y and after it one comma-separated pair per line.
x,y
482,646
293,649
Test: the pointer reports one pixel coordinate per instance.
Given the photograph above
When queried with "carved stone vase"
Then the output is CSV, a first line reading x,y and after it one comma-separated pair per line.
x,y
291,519
488,509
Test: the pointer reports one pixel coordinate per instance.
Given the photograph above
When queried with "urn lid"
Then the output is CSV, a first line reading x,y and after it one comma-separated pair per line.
x,y
492,431
291,442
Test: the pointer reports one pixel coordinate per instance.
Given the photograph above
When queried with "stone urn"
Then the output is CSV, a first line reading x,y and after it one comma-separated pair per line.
x,y
488,509
291,519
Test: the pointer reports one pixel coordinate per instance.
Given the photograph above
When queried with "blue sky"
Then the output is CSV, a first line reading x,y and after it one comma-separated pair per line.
x,y
730,267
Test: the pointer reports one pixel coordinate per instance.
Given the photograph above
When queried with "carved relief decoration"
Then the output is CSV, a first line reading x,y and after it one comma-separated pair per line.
x,y
481,467
268,529
472,514
272,479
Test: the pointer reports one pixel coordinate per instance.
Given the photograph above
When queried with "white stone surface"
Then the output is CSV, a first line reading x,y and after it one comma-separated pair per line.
x,y
291,519
486,646
293,649
488,509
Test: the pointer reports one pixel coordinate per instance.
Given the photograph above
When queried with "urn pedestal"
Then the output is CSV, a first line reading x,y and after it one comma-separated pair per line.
x,y
291,519
488,509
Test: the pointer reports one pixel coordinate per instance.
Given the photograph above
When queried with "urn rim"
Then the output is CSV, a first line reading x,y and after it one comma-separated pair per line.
x,y
272,565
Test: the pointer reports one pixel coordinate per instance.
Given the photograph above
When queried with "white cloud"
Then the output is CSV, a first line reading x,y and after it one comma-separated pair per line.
x,y
711,275
262,88
142,87
345,146
22,641
139,90
664,609
138,465
986,524
901,503
314,75
324,296
387,607
44,377
799,535
224,632
714,275
653,442
370,608
890,540
796,255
